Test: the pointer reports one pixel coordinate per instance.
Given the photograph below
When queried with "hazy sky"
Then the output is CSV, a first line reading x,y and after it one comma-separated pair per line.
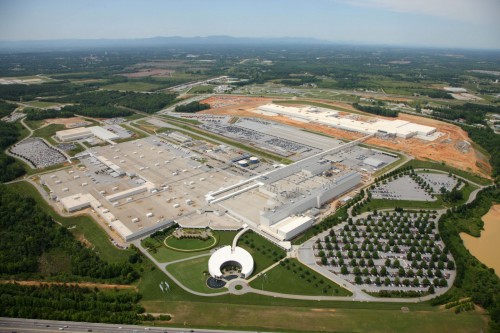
x,y
446,23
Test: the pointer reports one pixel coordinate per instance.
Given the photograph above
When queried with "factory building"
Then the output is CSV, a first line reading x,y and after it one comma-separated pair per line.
x,y
399,128
80,133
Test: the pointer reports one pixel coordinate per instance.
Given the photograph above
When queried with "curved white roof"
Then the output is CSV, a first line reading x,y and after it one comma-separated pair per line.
x,y
223,255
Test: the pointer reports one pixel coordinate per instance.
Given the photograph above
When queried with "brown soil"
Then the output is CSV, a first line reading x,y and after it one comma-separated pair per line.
x,y
64,121
80,284
81,238
150,72
442,149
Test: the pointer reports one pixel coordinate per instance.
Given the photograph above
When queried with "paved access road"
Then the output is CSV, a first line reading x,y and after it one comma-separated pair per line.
x,y
36,325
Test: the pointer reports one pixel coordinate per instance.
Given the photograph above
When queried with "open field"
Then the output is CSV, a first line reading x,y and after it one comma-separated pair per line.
x,y
132,86
293,277
193,274
256,312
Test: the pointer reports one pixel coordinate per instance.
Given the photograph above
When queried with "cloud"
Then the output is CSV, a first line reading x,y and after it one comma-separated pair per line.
x,y
472,11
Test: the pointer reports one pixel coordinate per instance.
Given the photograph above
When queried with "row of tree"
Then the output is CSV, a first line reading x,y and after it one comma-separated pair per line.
x,y
192,107
64,302
377,110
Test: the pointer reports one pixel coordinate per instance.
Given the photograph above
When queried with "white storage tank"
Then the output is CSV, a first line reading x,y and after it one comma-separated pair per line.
x,y
149,214
243,163
254,160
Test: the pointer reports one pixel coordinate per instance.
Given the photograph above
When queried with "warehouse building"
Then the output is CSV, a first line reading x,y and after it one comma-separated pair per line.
x,y
80,133
399,128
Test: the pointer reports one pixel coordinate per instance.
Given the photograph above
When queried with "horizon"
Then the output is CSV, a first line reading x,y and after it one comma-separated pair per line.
x,y
458,24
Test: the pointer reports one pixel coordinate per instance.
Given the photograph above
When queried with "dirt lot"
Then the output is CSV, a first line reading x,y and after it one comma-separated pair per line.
x,y
442,149
150,72
68,122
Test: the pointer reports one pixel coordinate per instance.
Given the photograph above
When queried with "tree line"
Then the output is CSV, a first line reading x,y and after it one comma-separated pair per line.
x,y
9,168
69,302
377,110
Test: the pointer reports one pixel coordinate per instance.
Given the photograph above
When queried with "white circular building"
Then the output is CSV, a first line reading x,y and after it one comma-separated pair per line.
x,y
226,256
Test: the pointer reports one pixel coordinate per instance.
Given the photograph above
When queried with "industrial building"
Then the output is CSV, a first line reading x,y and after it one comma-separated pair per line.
x,y
80,133
398,128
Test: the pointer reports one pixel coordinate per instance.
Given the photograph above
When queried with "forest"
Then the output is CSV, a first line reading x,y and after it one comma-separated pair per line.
x,y
192,107
377,110
72,110
148,103
28,233
10,168
470,112
6,108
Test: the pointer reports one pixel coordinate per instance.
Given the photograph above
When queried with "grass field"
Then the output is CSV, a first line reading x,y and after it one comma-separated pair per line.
x,y
41,104
255,312
132,86
164,254
384,204
48,131
204,89
84,226
193,274
295,278
264,253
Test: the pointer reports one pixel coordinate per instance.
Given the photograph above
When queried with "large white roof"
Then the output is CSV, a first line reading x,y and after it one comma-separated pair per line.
x,y
225,254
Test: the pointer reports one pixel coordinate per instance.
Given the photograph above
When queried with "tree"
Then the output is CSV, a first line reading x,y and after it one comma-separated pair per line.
x,y
344,270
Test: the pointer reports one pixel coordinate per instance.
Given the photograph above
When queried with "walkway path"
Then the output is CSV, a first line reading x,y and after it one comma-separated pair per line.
x,y
238,235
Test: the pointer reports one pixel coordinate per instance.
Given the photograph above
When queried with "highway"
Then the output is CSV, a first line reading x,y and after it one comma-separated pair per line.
x,y
9,325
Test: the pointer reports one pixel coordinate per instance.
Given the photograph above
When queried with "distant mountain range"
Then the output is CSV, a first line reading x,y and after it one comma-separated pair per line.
x,y
65,44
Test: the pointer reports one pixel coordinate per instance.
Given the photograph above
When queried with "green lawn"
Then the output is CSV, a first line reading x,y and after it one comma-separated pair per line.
x,y
41,104
190,244
193,274
383,204
164,254
264,253
255,312
292,277
48,131
204,89
81,226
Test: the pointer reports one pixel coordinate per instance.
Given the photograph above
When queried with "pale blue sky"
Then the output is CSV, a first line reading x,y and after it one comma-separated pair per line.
x,y
441,23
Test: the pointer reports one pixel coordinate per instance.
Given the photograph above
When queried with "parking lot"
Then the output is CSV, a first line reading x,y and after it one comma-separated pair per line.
x,y
38,153
403,188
